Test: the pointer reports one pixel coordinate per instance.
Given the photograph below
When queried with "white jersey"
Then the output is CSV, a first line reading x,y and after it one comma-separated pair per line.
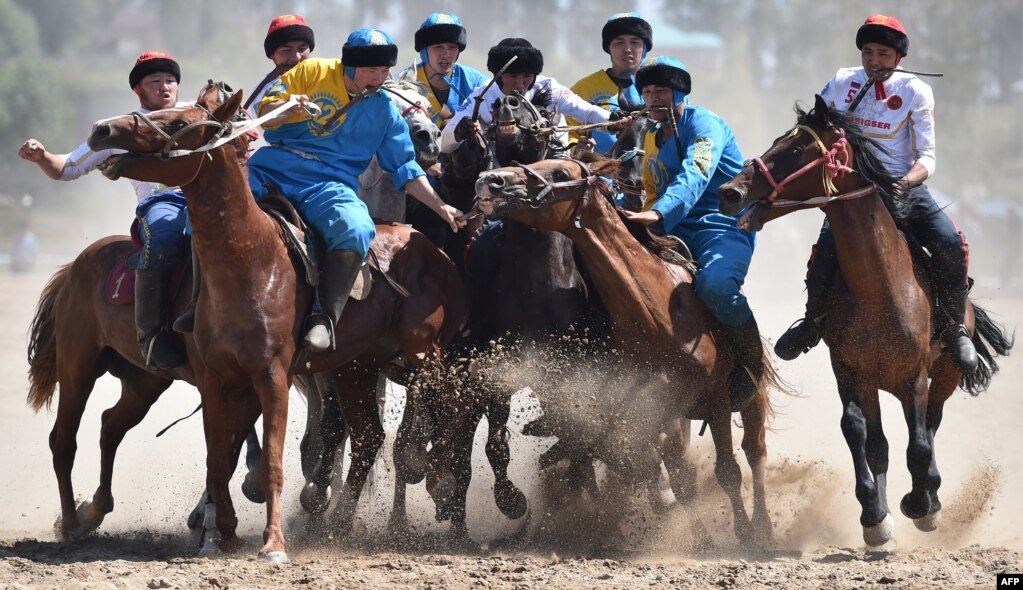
x,y
898,112
84,160
564,100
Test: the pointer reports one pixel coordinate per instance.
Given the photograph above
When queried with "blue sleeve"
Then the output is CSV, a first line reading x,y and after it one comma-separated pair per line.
x,y
397,155
707,140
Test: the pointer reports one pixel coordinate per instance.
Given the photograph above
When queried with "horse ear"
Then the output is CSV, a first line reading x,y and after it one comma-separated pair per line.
x,y
227,111
821,108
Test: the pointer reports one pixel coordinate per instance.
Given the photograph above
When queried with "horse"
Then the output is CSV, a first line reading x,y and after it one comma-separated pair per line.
x,y
657,321
879,329
253,302
628,150
83,327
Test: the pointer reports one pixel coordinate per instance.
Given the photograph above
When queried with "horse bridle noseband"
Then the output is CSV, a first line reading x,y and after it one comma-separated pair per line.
x,y
582,185
834,162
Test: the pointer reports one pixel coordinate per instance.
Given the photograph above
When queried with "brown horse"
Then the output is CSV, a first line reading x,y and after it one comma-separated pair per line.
x,y
253,299
657,321
879,328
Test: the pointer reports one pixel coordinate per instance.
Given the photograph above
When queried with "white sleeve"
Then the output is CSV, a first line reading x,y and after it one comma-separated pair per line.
x,y
921,119
573,105
83,161
448,143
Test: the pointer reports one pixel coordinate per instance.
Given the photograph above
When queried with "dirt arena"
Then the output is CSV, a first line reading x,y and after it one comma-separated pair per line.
x,y
144,543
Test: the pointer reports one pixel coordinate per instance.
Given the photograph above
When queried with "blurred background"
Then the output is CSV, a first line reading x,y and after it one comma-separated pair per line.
x,y
64,65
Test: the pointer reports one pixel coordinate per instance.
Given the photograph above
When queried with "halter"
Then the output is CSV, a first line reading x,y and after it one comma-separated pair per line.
x,y
171,140
570,186
538,129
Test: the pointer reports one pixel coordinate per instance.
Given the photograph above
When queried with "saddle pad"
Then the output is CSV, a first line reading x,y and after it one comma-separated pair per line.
x,y
121,284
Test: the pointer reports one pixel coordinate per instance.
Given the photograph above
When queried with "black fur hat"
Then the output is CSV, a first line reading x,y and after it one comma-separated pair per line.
x,y
664,71
530,60
628,23
369,48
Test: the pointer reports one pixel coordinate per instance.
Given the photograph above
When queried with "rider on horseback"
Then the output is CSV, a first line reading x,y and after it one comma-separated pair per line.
x,y
160,212
897,109
289,40
440,40
626,38
689,154
315,160
522,76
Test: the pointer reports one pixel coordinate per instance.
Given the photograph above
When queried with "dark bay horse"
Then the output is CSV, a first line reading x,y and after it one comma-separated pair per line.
x,y
657,320
253,299
879,329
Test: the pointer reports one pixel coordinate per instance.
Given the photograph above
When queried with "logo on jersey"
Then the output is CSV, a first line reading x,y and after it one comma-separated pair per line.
x,y
894,102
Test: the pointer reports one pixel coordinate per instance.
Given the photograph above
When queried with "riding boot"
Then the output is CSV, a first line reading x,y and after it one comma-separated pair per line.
x,y
955,338
186,321
749,363
340,269
159,349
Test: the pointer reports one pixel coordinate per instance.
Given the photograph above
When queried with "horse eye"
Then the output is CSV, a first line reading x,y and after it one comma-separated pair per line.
x,y
560,176
797,151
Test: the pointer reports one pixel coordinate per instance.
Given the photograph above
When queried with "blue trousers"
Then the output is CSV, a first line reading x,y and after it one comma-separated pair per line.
x,y
162,219
723,252
330,206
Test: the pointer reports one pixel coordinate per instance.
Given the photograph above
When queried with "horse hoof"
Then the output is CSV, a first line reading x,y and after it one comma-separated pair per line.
x,y
210,549
907,508
250,487
275,557
928,523
880,533
195,518
89,519
314,499
510,500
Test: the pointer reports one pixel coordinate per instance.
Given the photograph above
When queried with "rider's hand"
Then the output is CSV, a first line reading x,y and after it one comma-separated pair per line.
x,y
466,128
621,120
434,170
454,217
643,217
32,150
299,108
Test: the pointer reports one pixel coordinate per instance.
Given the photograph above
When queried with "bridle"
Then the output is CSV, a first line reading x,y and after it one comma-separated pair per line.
x,y
578,189
834,162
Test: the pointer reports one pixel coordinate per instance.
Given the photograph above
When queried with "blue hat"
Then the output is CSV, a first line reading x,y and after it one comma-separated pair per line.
x,y
369,48
626,23
440,28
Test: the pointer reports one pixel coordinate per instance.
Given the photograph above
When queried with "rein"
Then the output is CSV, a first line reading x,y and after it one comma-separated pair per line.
x,y
582,185
834,162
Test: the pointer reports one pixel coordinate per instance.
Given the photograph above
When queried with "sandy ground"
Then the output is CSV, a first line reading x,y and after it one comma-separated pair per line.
x,y
144,542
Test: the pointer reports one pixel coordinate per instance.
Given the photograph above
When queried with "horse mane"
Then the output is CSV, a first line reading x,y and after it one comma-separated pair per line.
x,y
866,156
662,247
543,98
408,90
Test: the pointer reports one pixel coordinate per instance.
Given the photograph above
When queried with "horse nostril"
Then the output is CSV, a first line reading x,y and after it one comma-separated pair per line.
x,y
423,137
101,132
495,182
513,102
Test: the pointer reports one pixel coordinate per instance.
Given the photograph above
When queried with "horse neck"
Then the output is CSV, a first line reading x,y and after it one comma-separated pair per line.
x,y
633,283
868,244
226,222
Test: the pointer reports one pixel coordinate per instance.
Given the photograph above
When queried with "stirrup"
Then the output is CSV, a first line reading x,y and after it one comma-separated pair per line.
x,y
311,322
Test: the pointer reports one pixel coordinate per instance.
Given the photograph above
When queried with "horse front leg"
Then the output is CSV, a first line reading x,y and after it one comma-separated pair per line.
x,y
509,499
754,445
220,417
315,495
727,471
944,380
877,523
272,389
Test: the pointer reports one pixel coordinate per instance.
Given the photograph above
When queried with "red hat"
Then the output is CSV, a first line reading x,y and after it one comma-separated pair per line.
x,y
285,28
152,62
886,30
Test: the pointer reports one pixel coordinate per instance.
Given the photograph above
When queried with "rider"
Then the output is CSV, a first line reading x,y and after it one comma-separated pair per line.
x,y
627,38
522,76
440,40
160,212
898,111
690,152
315,160
289,40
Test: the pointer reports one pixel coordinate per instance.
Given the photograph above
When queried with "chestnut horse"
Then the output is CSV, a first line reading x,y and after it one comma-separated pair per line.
x,y
657,320
253,300
879,328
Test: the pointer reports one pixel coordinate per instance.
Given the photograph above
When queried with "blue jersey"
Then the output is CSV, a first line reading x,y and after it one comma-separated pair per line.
x,y
463,80
685,186
371,127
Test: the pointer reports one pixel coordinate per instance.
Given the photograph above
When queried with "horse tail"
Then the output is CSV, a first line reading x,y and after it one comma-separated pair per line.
x,y
770,380
42,344
991,340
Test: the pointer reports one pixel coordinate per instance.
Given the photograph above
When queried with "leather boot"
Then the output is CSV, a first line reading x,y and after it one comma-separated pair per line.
x,y
955,339
340,269
749,362
806,332
159,349
186,321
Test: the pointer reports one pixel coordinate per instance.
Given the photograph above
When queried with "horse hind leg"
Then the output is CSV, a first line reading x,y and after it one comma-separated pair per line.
x,y
728,474
754,445
315,495
139,391
510,500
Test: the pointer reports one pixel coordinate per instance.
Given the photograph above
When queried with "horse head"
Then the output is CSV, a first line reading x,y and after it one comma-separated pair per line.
x,y
807,165
518,127
169,145
546,195
628,150
411,100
